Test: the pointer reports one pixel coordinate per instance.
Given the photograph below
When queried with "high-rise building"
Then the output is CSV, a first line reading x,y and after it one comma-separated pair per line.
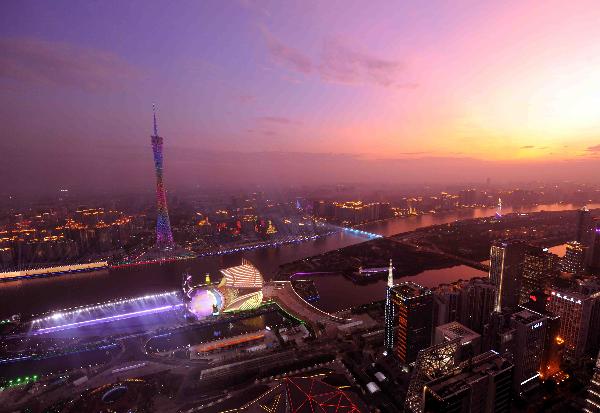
x,y
483,385
469,302
478,298
553,342
529,338
553,349
539,268
390,319
164,236
574,260
593,253
413,307
584,225
592,400
498,334
446,303
579,314
506,268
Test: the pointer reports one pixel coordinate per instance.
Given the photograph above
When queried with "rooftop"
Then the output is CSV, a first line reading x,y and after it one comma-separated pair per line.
x,y
486,364
410,289
455,330
527,317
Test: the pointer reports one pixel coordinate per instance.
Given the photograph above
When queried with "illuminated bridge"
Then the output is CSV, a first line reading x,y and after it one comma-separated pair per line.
x,y
361,232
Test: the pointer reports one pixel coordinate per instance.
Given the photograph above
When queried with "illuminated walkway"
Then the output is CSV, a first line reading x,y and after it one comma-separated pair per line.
x,y
284,294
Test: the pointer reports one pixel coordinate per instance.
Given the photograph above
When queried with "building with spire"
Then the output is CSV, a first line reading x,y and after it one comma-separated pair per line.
x,y
164,236
390,320
408,319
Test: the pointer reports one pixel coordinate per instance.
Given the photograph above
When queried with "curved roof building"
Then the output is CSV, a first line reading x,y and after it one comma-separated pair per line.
x,y
242,276
240,289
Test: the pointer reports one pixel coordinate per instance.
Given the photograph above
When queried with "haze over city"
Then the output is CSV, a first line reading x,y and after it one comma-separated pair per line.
x,y
316,91
299,206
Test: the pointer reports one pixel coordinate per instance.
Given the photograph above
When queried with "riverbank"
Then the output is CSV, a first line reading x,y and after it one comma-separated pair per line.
x,y
42,295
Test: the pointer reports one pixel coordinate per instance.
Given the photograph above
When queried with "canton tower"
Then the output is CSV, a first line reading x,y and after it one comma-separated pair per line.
x,y
164,236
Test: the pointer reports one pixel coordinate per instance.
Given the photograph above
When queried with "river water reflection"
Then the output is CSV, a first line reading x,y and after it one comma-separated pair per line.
x,y
35,296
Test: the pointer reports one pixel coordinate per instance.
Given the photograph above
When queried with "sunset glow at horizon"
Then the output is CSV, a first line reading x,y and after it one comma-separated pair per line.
x,y
504,82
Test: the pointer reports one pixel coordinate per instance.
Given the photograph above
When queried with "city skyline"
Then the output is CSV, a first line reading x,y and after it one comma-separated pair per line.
x,y
349,206
316,92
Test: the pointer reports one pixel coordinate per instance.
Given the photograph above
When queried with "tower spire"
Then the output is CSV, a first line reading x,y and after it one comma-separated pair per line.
x,y
154,115
390,282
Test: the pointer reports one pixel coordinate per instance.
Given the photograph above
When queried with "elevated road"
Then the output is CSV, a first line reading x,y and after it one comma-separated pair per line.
x,y
287,298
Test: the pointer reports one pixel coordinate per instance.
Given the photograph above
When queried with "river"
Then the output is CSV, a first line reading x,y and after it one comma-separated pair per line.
x,y
35,296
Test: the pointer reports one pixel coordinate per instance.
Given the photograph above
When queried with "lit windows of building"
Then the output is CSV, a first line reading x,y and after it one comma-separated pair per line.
x,y
577,312
529,337
574,260
414,309
539,269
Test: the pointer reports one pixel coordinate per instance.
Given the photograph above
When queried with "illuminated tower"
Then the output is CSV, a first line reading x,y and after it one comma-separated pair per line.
x,y
499,210
389,312
413,314
164,236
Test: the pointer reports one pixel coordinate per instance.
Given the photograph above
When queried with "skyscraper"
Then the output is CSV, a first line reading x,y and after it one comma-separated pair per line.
x,y
584,225
506,267
593,258
592,401
477,303
539,268
574,259
164,236
483,385
446,302
553,343
530,334
390,321
413,307
578,313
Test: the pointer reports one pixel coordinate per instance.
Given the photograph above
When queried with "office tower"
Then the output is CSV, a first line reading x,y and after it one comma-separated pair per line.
x,y
579,317
477,301
164,236
446,302
539,268
390,320
482,385
553,342
593,256
584,225
506,265
574,260
413,310
530,335
553,349
469,341
592,400
498,334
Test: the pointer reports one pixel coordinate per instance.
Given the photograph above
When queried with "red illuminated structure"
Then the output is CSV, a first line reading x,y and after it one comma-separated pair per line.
x,y
164,236
304,395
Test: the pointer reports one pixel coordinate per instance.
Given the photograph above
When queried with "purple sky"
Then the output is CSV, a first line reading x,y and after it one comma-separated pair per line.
x,y
297,92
